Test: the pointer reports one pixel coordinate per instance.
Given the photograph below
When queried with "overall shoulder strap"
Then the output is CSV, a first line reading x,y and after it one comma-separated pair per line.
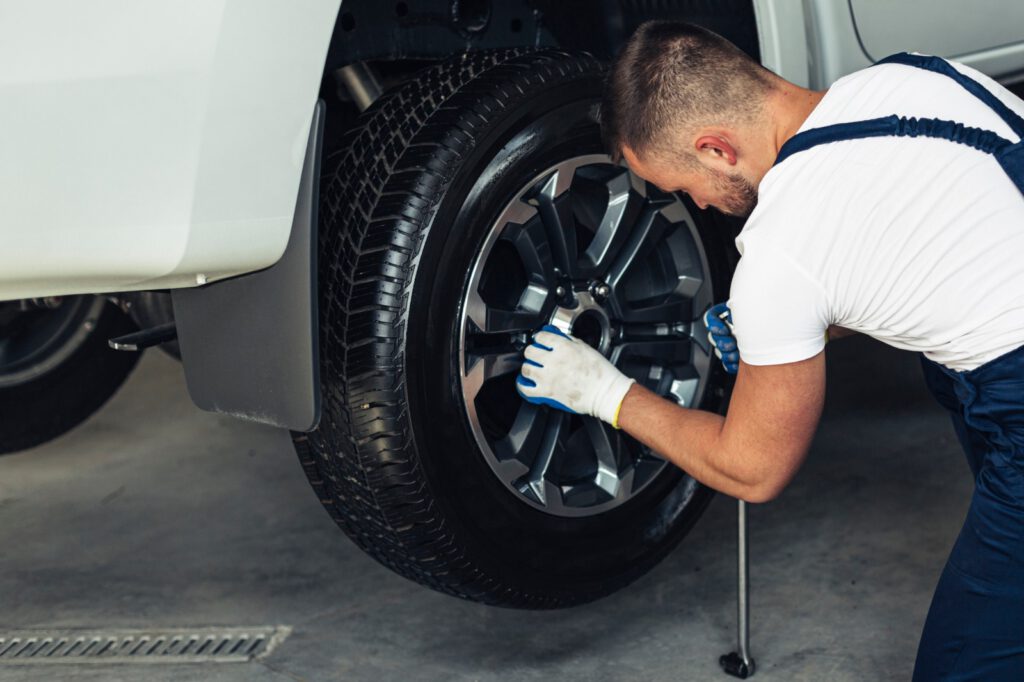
x,y
939,65
1009,155
896,126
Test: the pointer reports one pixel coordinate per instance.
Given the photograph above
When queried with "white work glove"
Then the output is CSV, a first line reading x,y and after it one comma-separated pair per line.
x,y
564,372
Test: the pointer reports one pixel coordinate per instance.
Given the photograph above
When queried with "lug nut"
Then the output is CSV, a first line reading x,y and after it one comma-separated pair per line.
x,y
602,290
560,292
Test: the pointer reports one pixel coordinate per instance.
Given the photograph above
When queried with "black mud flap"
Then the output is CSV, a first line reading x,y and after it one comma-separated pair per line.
x,y
249,344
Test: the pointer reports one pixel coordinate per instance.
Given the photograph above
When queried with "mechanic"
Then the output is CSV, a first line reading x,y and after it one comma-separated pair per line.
x,y
866,215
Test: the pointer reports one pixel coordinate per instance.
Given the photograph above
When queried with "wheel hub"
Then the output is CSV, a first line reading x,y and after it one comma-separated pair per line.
x,y
587,320
592,249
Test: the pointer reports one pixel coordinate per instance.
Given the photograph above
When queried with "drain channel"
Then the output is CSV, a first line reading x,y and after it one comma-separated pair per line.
x,y
171,645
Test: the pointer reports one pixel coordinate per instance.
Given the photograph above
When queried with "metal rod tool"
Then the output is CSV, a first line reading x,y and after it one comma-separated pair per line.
x,y
739,663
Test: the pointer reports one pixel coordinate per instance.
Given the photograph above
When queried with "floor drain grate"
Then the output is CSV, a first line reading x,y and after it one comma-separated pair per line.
x,y
172,645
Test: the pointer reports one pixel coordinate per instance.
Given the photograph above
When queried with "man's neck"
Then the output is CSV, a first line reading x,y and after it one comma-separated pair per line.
x,y
792,105
786,110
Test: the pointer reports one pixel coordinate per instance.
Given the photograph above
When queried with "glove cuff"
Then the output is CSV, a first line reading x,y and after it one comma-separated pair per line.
x,y
607,408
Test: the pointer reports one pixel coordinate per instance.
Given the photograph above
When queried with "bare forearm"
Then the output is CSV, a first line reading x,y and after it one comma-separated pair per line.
x,y
757,448
691,439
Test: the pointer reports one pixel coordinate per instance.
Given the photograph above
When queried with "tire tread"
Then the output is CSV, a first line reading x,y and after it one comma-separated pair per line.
x,y
378,196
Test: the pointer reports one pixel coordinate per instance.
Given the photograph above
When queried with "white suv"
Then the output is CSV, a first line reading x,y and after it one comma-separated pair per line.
x,y
347,217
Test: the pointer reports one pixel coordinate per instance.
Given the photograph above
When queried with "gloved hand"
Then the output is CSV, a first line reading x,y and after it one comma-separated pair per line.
x,y
718,319
566,373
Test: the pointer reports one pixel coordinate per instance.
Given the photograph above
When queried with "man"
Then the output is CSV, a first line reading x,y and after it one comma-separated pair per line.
x,y
911,231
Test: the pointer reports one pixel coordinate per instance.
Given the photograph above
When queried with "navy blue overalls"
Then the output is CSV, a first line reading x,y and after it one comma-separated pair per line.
x,y
975,626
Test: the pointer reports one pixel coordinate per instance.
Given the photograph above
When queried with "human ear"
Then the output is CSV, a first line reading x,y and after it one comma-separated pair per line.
x,y
715,148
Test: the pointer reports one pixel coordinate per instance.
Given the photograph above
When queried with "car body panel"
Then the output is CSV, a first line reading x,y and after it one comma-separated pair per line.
x,y
949,29
149,144
780,31
815,42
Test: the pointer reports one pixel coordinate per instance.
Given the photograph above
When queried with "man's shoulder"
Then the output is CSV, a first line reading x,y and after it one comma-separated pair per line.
x,y
903,90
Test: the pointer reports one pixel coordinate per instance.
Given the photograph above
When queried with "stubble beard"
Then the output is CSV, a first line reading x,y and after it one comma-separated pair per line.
x,y
740,194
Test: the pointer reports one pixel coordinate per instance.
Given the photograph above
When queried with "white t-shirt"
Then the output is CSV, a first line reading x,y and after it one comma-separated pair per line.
x,y
918,242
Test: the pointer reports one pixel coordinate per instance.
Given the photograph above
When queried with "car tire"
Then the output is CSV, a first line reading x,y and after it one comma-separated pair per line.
x,y
56,368
408,205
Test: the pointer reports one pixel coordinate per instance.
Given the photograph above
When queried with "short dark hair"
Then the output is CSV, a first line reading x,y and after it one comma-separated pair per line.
x,y
672,76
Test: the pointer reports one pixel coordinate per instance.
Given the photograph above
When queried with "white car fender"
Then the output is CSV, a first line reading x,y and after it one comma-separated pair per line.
x,y
149,144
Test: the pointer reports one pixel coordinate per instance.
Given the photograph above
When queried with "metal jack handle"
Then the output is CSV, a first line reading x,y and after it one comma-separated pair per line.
x,y
739,663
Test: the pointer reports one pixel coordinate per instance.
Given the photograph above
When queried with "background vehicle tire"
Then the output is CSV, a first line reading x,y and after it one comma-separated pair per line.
x,y
55,366
425,212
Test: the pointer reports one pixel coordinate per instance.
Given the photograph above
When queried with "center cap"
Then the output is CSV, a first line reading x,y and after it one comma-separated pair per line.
x,y
587,321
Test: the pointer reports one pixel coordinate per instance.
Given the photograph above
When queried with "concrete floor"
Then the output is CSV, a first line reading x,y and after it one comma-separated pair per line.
x,y
156,514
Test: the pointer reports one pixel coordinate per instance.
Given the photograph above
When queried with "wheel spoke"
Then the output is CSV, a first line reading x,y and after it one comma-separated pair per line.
x,y
625,488
525,436
486,366
608,238
512,320
664,351
531,243
536,480
606,451
649,231
645,235
687,383
683,390
701,344
674,308
500,364
491,320
686,257
556,216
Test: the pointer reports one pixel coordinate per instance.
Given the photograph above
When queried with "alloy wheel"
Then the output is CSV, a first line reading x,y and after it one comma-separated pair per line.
x,y
593,249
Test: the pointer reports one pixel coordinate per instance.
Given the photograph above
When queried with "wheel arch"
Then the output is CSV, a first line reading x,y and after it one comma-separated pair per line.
x,y
398,38
370,30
